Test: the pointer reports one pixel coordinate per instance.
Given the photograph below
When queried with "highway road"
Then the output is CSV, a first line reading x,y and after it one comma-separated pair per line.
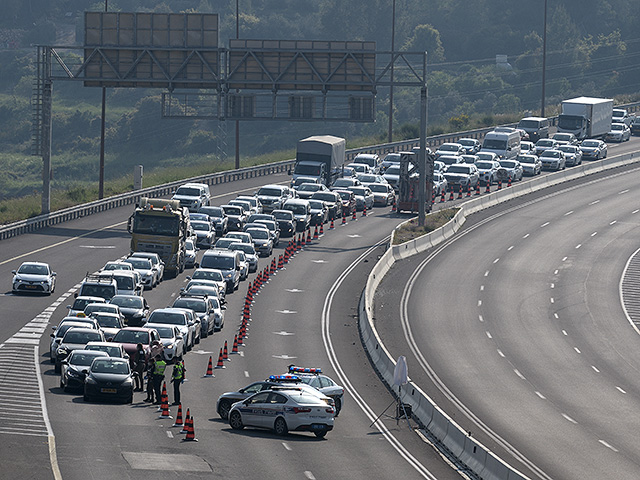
x,y
306,314
515,327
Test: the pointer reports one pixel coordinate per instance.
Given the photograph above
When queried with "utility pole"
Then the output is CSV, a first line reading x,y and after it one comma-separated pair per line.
x,y
544,59
237,121
393,38
102,129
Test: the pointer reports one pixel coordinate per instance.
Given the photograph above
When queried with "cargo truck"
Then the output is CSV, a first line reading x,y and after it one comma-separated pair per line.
x,y
586,117
162,227
321,158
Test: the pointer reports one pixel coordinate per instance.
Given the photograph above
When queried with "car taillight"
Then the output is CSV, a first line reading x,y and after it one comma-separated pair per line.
x,y
329,410
301,410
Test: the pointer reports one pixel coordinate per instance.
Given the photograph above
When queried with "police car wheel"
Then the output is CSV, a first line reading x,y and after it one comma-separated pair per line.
x,y
321,434
280,426
338,405
235,421
223,409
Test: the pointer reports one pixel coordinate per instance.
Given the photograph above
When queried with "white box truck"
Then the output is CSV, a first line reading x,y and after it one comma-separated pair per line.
x,y
320,158
586,117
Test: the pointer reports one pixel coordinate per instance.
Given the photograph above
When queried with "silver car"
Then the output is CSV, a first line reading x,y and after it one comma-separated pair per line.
x,y
36,277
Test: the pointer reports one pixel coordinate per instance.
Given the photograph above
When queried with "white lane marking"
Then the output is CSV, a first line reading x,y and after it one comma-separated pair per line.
x,y
567,417
169,434
564,332
284,357
623,191
486,274
318,261
353,236
283,333
496,260
17,257
544,224
500,353
246,374
517,372
578,246
636,211
480,318
510,248
241,353
620,390
564,259
479,303
611,223
287,312
541,396
568,213
556,272
595,369
293,290
526,235
309,475
97,246
552,300
481,288
488,334
286,446
553,285
594,234
577,350
556,315
608,445
594,202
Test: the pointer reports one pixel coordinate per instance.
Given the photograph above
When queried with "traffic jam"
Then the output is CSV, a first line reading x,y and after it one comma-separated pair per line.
x,y
111,344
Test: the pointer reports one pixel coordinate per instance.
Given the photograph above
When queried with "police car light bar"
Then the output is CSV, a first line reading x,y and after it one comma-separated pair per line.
x,y
284,378
294,369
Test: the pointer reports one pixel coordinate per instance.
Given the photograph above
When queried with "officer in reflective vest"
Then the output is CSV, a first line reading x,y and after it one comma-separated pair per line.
x,y
158,378
176,377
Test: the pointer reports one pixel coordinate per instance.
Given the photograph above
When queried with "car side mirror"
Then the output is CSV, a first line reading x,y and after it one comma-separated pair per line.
x,y
54,273
85,371
52,335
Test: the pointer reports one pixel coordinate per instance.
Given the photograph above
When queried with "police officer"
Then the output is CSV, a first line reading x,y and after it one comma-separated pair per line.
x,y
158,378
140,364
151,366
177,376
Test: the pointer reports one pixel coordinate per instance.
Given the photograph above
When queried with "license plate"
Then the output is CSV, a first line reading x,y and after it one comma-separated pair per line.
x,y
317,426
30,287
108,390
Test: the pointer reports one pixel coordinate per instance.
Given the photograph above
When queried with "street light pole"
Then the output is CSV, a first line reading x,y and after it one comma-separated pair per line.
x,y
102,129
544,59
393,38
237,121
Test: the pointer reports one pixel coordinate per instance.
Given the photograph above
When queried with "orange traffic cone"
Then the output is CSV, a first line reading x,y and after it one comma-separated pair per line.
x,y
191,433
459,192
308,236
499,184
234,348
165,405
220,364
225,353
209,373
478,188
393,206
488,189
468,190
315,233
442,196
321,229
179,422
344,219
331,225
364,210
451,194
509,183
186,422
164,398
353,217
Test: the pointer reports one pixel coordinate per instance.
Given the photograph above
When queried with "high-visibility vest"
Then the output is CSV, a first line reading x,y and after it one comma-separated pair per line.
x,y
177,371
161,365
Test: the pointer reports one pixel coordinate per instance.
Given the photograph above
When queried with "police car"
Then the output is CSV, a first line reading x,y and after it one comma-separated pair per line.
x,y
315,378
227,399
283,409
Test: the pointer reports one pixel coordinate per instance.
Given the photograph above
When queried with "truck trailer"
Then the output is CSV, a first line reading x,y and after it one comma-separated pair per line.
x,y
321,158
586,117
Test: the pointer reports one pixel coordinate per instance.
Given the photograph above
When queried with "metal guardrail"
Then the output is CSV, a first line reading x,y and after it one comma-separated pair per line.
x,y
130,198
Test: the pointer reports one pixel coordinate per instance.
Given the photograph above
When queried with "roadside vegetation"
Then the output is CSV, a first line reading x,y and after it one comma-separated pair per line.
x,y
411,230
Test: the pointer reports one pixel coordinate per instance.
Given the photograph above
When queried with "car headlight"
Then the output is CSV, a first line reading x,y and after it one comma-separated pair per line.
x,y
72,373
128,382
90,380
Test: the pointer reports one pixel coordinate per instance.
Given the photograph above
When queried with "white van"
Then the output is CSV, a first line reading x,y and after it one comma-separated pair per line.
x,y
504,144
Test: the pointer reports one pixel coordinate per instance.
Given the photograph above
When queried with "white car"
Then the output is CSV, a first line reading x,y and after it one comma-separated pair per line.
x,y
315,378
156,261
178,318
34,277
619,132
171,339
149,274
283,409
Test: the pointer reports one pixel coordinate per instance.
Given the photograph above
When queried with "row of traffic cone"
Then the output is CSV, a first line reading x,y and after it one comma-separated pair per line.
x,y
187,425
461,191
